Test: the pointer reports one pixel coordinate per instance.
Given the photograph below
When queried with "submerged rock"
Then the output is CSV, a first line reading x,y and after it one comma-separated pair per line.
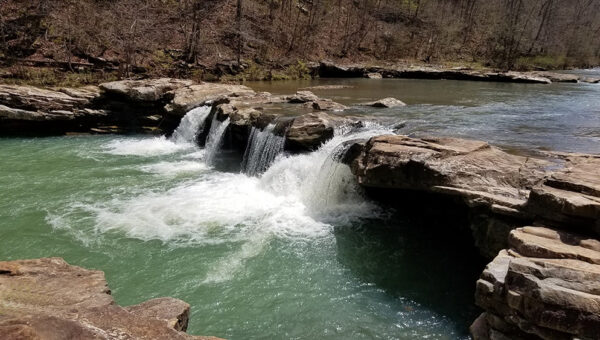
x,y
546,286
50,299
385,102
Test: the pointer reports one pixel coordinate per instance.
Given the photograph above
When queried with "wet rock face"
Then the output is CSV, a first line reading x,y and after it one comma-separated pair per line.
x,y
309,131
546,286
50,299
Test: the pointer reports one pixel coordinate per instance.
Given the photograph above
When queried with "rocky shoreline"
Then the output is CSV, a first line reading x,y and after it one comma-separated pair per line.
x,y
542,280
332,70
49,299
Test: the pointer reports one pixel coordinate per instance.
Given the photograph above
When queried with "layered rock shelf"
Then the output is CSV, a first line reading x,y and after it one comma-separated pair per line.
x,y
49,299
545,286
329,69
502,191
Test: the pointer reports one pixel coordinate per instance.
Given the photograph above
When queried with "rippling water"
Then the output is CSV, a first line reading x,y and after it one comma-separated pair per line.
x,y
295,252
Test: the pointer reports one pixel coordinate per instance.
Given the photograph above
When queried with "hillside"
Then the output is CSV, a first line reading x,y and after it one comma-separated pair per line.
x,y
272,39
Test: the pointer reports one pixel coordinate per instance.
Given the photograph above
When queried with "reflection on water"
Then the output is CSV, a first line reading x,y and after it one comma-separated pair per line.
x,y
563,117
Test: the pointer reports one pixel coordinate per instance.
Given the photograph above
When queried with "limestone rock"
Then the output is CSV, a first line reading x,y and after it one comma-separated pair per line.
x,y
570,194
302,97
374,75
328,87
309,131
148,90
187,98
50,299
558,77
546,286
385,102
474,170
44,100
325,105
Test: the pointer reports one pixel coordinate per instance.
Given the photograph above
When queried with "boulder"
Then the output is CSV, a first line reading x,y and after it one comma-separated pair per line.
x,y
373,75
302,97
147,90
325,105
546,286
309,131
189,97
386,103
50,299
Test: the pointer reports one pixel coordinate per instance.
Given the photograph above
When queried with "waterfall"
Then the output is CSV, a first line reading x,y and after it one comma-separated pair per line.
x,y
320,180
215,139
190,125
263,146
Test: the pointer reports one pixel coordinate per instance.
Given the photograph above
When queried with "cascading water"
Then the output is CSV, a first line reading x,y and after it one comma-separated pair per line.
x,y
262,149
320,181
215,139
190,125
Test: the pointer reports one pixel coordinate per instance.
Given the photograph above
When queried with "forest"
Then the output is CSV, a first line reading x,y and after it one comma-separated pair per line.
x,y
188,37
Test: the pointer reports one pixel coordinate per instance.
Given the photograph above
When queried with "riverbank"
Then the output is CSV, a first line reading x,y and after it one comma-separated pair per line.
x,y
230,73
297,144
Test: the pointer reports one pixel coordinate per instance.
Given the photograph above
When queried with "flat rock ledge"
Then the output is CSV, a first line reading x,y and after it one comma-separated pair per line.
x,y
49,299
329,69
545,286
502,191
153,106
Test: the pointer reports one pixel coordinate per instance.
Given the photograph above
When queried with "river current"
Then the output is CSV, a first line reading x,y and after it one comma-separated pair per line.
x,y
288,247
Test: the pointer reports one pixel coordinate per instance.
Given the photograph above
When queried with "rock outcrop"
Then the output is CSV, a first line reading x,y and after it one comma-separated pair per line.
x,y
502,191
149,90
151,105
386,103
309,131
187,98
332,70
50,299
25,109
546,286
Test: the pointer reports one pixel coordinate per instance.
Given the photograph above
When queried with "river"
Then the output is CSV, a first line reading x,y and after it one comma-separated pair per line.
x,y
290,248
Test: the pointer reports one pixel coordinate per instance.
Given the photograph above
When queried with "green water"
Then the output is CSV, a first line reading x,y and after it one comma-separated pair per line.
x,y
256,265
297,252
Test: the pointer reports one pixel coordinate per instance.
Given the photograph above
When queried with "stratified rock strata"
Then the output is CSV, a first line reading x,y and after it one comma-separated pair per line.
x,y
50,299
546,286
502,191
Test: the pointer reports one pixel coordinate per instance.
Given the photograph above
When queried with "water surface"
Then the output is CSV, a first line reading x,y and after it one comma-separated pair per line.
x,y
293,252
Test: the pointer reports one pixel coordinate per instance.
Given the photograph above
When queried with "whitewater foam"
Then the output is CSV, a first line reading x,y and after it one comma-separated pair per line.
x,y
191,124
155,146
174,168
